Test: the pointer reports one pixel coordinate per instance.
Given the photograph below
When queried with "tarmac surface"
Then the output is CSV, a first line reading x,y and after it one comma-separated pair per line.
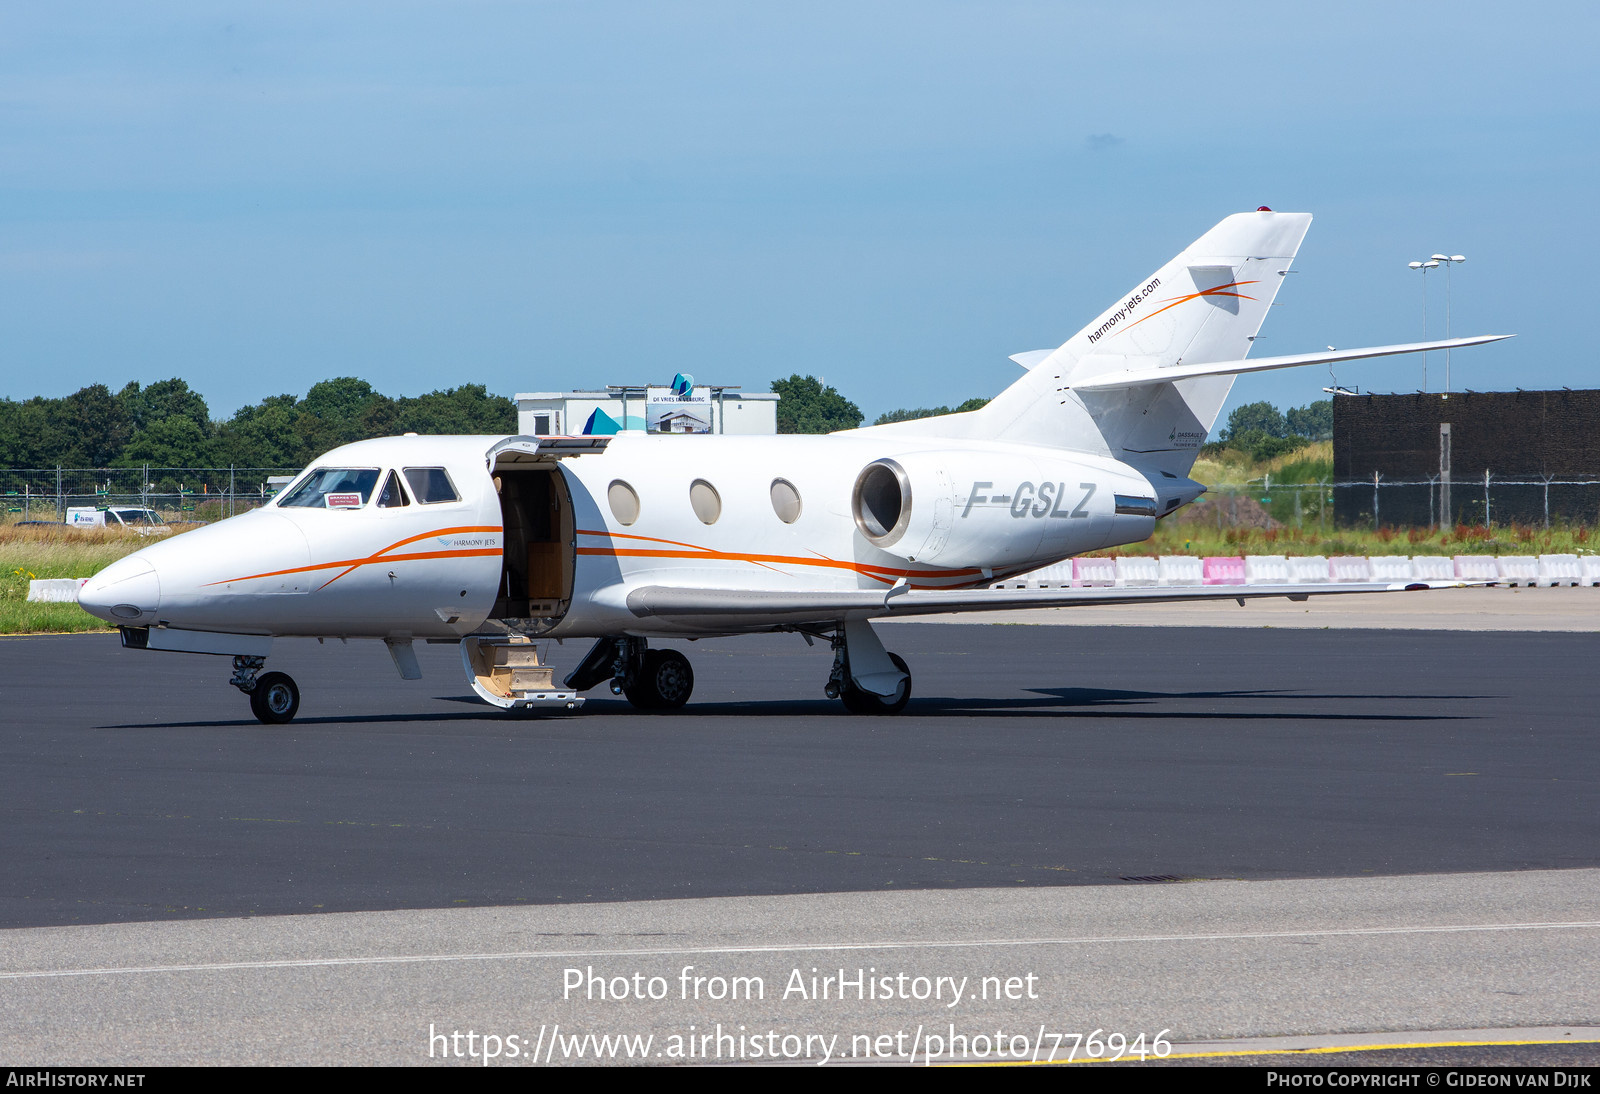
x,y
1219,832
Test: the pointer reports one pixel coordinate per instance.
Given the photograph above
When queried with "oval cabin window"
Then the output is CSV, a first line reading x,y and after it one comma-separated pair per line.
x,y
785,500
624,502
707,504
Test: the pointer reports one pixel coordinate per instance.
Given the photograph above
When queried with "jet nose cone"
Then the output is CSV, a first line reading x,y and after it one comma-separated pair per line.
x,y
126,593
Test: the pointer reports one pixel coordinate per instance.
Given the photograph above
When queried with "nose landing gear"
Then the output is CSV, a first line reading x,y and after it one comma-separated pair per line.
x,y
274,696
275,699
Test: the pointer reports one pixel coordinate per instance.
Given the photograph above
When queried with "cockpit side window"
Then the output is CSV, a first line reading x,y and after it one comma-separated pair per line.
x,y
392,496
333,488
431,485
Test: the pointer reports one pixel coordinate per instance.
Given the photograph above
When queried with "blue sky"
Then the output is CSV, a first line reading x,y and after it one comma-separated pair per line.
x,y
893,196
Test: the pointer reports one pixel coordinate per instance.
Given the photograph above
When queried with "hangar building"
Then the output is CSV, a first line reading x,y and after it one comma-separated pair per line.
x,y
682,407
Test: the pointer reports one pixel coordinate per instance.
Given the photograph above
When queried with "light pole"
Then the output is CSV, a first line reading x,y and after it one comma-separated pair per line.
x,y
1448,261
1425,267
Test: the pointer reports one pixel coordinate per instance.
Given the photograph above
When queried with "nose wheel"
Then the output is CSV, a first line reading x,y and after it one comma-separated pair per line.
x,y
276,698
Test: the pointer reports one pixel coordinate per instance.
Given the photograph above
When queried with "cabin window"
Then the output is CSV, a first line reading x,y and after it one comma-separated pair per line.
x,y
392,496
624,502
431,485
333,488
785,500
705,501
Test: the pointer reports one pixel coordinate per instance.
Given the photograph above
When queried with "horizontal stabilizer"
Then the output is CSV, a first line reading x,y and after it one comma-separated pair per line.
x,y
1032,359
1137,377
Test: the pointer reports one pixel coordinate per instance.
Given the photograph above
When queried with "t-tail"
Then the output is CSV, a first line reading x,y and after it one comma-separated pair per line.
x,y
1144,381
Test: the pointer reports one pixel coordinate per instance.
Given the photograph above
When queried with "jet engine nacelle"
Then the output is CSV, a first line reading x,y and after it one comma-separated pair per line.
x,y
993,509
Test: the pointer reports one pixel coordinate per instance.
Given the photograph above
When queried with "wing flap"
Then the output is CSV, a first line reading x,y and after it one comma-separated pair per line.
x,y
691,605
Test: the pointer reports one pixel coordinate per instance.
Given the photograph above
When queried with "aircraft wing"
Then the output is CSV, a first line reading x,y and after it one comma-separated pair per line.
x,y
745,607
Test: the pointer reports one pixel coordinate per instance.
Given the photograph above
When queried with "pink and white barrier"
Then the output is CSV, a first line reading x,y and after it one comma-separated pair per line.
x,y
1175,570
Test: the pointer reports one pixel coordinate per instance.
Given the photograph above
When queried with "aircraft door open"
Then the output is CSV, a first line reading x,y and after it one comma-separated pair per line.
x,y
537,571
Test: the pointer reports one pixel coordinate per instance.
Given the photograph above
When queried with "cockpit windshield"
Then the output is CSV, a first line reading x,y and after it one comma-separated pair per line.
x,y
333,488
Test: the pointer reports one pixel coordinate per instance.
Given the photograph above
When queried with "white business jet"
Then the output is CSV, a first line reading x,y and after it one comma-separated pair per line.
x,y
499,543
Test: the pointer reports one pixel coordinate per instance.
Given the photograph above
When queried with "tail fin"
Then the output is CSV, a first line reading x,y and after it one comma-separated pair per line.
x,y
1205,305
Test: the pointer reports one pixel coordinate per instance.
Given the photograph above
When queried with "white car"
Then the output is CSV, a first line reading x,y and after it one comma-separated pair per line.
x,y
145,522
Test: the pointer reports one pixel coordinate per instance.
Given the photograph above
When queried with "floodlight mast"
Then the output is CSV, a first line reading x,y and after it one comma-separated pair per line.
x,y
1448,261
1425,266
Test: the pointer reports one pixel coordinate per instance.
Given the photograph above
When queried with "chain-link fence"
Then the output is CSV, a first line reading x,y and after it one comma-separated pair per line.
x,y
176,493
1484,501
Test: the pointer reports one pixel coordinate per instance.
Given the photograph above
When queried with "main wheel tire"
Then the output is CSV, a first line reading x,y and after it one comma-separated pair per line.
x,y
665,681
860,701
275,699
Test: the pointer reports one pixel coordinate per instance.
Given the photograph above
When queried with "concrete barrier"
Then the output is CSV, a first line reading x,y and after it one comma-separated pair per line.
x,y
1181,570
1266,570
1390,568
1433,568
1559,570
1094,572
59,590
1517,569
1476,568
1354,568
1222,571
1309,569
1136,570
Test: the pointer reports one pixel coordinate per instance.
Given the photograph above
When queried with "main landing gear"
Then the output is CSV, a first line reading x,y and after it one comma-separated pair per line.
x,y
274,696
655,680
865,676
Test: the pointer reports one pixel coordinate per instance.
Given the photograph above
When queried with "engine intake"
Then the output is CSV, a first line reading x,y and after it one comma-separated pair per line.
x,y
881,502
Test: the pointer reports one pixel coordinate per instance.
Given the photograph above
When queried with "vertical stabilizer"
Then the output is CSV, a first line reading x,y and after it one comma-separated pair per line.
x,y
1205,305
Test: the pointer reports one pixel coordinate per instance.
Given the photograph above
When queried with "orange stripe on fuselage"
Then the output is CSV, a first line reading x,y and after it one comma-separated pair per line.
x,y
382,555
886,574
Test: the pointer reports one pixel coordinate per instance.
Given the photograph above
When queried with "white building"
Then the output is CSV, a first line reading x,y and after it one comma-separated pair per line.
x,y
691,408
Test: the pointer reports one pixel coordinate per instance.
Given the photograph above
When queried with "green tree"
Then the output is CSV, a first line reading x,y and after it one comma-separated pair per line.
x,y
339,411
161,400
929,412
262,436
468,409
805,406
26,432
1250,417
173,441
1262,445
1313,421
89,427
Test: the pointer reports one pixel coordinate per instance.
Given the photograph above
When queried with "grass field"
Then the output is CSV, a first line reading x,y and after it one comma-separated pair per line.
x,y
32,552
